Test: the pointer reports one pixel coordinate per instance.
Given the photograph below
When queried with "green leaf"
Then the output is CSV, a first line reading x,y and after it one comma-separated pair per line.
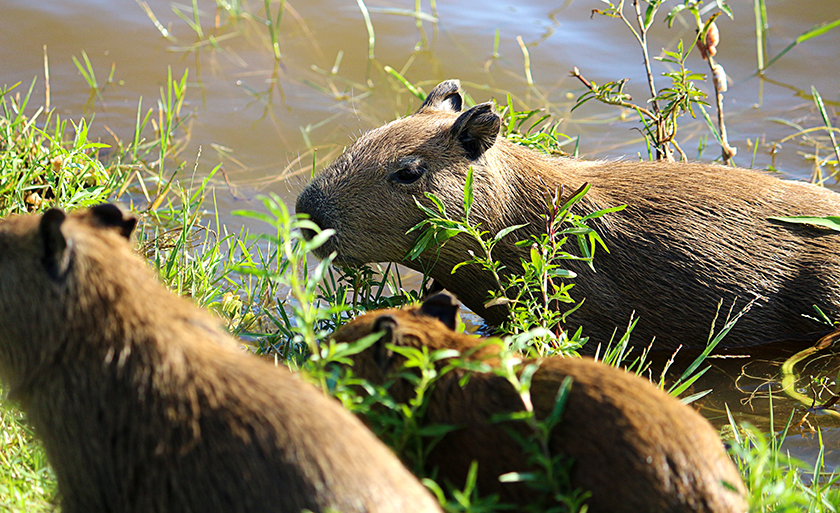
x,y
536,258
437,202
809,34
650,12
818,31
599,213
426,210
669,19
831,222
506,231
435,430
408,85
562,273
421,245
560,402
319,239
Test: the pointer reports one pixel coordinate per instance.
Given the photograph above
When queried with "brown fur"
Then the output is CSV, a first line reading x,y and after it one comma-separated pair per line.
x,y
691,235
633,446
144,405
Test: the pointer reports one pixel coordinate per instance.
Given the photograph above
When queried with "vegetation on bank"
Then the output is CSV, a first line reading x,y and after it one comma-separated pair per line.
x,y
281,305
264,290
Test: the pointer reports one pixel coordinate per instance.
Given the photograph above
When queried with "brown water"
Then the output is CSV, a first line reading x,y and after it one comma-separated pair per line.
x,y
264,119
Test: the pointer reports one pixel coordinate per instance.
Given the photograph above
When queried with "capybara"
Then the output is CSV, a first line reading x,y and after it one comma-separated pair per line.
x,y
632,446
691,235
145,405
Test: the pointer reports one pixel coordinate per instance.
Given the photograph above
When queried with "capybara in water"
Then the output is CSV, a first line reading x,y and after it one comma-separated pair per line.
x,y
145,405
634,447
691,235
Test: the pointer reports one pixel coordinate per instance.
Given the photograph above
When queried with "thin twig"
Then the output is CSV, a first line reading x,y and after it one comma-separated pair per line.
x,y
727,151
683,156
621,103
662,149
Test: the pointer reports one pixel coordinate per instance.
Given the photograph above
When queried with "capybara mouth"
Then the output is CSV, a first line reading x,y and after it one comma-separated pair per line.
x,y
326,248
340,259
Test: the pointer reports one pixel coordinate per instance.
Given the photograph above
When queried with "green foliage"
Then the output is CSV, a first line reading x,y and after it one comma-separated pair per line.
x,y
45,162
27,482
287,268
266,293
776,481
668,104
40,166
829,222
534,293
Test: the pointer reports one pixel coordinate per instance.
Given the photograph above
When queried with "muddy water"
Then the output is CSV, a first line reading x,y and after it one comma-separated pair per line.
x,y
269,121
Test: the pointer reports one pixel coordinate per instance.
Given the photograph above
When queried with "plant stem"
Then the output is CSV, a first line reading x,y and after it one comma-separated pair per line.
x,y
727,151
621,103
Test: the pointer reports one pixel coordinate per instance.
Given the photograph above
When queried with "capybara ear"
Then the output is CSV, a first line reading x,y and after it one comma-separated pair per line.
x,y
476,129
443,307
56,256
109,215
445,96
381,354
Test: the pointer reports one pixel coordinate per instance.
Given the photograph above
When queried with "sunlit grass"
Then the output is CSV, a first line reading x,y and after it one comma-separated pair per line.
x,y
46,160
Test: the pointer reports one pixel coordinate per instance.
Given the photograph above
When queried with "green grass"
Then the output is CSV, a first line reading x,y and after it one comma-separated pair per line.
x,y
27,482
246,280
46,161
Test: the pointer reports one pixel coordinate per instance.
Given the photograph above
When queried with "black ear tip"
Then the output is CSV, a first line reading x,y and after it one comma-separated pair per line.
x,y
107,213
385,322
53,242
445,97
53,215
452,85
51,221
442,298
442,306
382,356
110,215
486,110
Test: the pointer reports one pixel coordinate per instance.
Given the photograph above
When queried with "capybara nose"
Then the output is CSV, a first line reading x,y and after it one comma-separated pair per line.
x,y
312,203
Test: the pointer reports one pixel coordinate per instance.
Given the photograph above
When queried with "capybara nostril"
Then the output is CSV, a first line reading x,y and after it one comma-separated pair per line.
x,y
313,203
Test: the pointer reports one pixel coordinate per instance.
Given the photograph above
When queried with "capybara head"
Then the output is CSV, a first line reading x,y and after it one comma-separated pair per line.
x,y
49,266
368,194
409,327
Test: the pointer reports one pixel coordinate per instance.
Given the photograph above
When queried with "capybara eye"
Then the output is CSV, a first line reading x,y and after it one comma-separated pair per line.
x,y
409,174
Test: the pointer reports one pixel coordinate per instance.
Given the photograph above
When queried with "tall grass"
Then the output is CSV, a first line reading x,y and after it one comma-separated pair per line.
x,y
262,286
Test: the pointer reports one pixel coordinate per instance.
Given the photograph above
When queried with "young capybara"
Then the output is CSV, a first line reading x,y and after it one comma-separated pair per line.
x,y
632,446
691,235
145,405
